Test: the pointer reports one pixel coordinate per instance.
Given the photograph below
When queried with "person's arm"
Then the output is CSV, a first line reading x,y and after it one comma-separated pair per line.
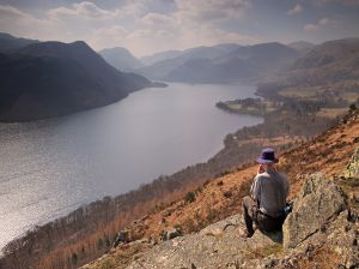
x,y
251,194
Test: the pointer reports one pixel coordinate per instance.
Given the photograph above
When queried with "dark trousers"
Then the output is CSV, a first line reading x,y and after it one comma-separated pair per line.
x,y
265,223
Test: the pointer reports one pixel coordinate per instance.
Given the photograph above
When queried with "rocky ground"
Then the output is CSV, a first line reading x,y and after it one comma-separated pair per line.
x,y
321,232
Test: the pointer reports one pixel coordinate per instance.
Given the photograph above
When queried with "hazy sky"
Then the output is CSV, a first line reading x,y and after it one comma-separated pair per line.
x,y
147,26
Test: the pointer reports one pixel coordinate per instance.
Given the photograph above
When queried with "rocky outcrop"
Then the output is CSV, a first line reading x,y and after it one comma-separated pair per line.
x,y
318,202
217,246
321,232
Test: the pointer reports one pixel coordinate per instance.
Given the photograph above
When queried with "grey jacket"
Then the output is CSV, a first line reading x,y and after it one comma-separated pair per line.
x,y
270,190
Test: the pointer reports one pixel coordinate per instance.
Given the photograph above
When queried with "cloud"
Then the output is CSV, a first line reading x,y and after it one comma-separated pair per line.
x,y
211,10
157,19
84,9
295,10
317,26
143,26
211,35
20,23
341,2
100,37
323,21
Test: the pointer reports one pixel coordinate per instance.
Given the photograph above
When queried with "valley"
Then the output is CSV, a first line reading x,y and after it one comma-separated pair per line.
x,y
296,104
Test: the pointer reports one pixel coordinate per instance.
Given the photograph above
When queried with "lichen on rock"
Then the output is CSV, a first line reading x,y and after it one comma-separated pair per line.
x,y
319,200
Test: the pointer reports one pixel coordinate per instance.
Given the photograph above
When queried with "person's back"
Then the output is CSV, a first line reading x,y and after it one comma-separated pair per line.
x,y
270,190
269,193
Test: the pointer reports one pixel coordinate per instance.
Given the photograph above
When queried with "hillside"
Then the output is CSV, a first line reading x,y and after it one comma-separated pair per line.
x,y
330,61
326,78
328,72
121,58
222,63
11,43
328,153
302,46
52,78
160,56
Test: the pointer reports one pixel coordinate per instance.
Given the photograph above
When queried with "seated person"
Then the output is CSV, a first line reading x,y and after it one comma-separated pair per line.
x,y
269,193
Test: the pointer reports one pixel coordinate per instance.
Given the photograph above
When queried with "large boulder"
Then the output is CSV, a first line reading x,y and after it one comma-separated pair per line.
x,y
319,201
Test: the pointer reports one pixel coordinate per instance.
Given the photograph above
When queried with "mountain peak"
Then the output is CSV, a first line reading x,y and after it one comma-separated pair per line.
x,y
80,43
11,43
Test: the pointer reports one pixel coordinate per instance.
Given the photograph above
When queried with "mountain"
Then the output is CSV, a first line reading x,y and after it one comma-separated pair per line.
x,y
301,46
204,52
197,52
334,61
223,63
160,56
160,65
328,70
121,59
337,54
49,79
9,42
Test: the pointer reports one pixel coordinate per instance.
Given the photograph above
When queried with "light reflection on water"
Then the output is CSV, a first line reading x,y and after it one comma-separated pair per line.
x,y
51,167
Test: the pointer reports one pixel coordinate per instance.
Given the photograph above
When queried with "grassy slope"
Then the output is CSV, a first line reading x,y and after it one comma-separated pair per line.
x,y
221,197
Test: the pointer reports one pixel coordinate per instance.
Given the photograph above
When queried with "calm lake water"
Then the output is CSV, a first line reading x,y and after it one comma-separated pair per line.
x,y
50,167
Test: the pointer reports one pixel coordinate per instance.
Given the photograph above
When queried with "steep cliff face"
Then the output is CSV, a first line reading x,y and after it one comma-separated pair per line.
x,y
321,231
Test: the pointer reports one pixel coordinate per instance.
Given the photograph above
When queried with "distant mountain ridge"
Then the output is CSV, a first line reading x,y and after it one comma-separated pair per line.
x,y
9,42
333,61
160,56
223,63
47,79
301,46
121,58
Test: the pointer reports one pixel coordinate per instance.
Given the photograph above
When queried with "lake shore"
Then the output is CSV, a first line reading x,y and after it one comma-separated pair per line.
x,y
112,214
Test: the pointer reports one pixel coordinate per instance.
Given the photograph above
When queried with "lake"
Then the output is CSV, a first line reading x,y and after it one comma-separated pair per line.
x,y
50,167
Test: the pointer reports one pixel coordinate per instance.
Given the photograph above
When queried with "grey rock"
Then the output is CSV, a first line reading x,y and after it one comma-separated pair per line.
x,y
217,246
318,201
343,236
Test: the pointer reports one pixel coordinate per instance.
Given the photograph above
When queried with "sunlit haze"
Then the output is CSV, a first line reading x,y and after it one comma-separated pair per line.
x,y
148,26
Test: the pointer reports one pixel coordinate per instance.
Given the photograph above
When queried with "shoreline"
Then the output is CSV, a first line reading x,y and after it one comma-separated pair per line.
x,y
39,225
63,212
115,212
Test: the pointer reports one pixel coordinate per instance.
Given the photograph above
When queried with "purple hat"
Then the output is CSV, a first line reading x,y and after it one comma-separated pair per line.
x,y
267,156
